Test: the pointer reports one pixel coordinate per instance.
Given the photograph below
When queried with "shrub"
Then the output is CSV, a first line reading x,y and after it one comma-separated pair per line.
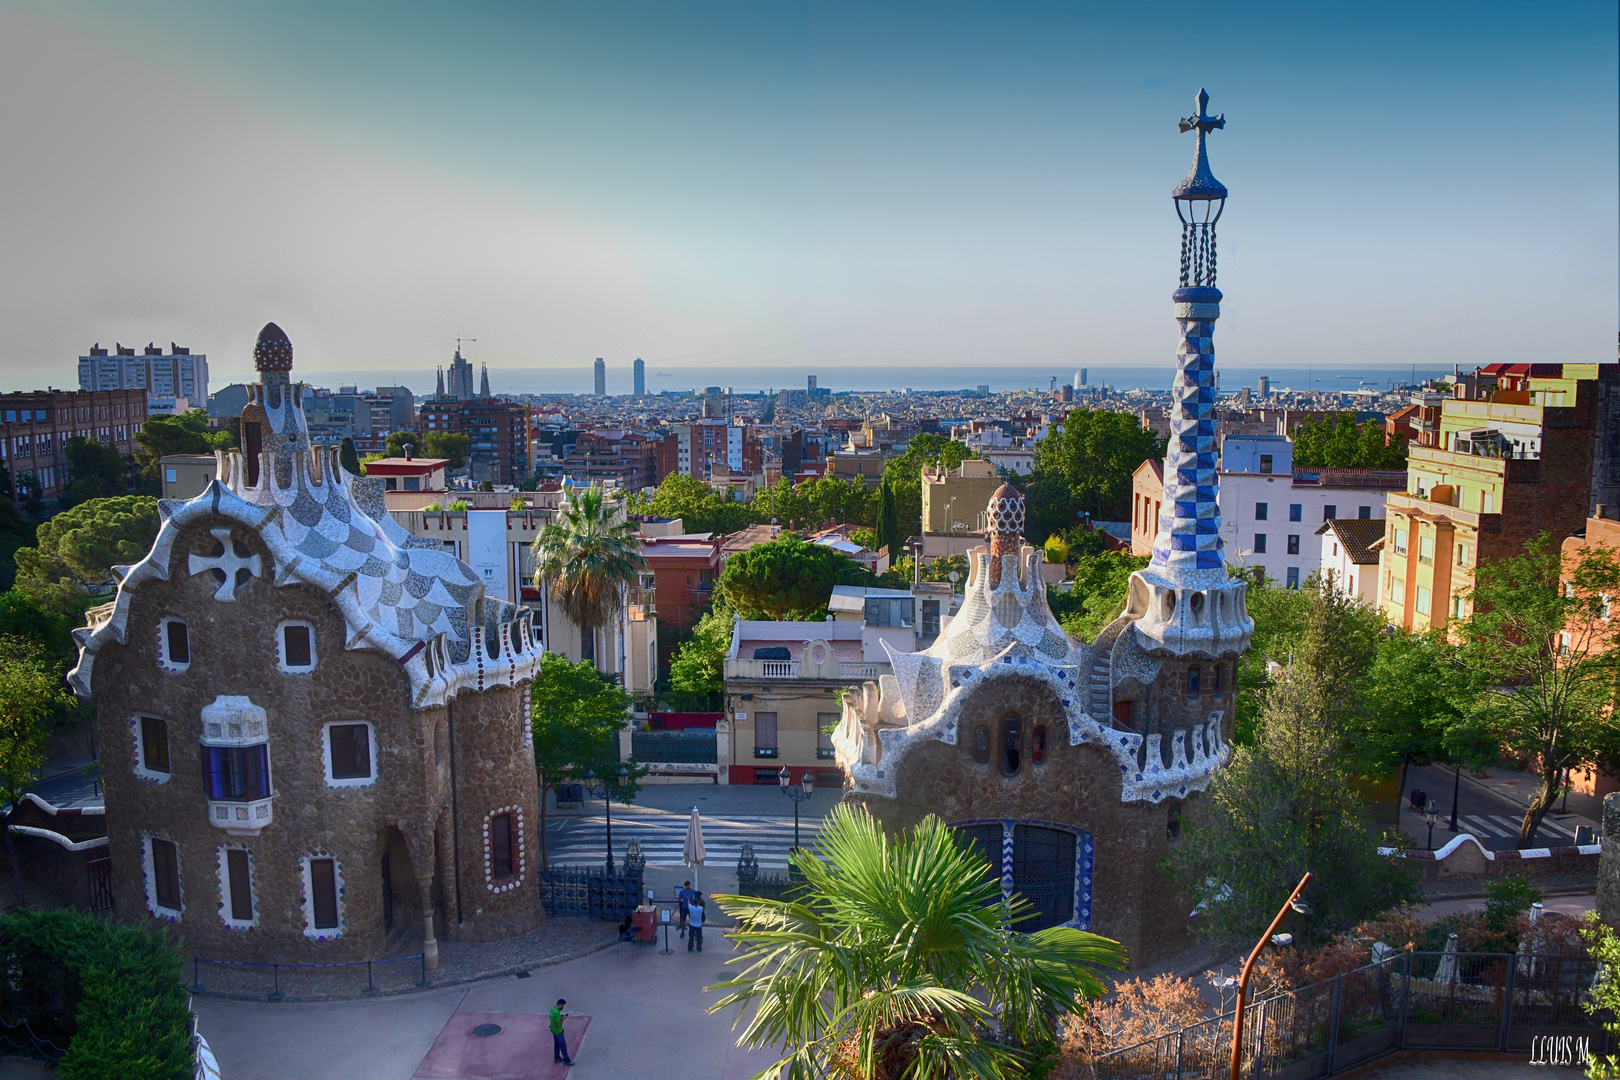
x,y
1509,897
113,994
1057,550
1139,1010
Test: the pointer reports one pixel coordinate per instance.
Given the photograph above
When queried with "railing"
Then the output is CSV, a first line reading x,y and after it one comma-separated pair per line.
x,y
1469,1001
584,892
319,980
779,669
693,745
101,893
858,670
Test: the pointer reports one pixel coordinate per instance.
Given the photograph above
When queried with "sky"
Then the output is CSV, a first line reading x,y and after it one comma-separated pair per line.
x,y
792,188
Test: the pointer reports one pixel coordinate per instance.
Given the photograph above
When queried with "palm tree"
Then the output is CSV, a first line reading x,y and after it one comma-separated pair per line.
x,y
897,959
588,553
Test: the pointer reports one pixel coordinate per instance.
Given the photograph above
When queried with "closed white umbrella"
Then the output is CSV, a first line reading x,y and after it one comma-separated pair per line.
x,y
693,855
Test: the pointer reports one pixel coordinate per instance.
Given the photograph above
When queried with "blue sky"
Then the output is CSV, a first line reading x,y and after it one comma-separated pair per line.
x,y
804,187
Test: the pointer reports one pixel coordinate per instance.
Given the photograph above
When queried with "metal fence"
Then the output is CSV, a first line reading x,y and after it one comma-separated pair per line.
x,y
691,745
310,982
1468,1001
585,892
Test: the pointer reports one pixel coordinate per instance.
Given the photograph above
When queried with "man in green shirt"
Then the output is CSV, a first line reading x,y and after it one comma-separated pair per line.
x,y
559,1040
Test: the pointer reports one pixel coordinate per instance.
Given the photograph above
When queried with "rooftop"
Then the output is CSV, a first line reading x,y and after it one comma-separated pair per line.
x,y
1358,535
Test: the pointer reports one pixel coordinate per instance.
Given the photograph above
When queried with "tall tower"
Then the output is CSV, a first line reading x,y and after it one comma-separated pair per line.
x,y
1185,602
639,377
601,378
439,393
483,381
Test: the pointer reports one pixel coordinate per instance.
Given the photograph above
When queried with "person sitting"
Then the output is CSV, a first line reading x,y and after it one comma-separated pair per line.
x,y
625,933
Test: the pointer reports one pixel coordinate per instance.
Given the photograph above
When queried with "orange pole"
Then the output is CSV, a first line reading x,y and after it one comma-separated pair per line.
x,y
1248,969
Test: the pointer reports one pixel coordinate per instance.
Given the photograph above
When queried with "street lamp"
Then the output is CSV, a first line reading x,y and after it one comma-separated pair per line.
x,y
1271,935
798,793
604,791
1431,812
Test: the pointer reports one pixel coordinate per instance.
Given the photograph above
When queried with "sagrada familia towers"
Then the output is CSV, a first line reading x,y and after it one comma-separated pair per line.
x,y
1067,762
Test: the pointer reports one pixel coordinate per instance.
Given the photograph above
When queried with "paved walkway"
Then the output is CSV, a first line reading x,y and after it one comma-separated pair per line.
x,y
1470,1069
642,1015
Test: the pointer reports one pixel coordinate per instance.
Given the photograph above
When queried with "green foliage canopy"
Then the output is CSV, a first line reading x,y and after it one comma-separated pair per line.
x,y
94,471
450,445
786,579
78,548
587,555
700,507
1089,459
188,433
698,666
577,714
1338,442
1101,585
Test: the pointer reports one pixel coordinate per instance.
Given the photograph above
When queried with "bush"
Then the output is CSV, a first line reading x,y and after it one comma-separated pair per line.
x,y
112,994
1508,898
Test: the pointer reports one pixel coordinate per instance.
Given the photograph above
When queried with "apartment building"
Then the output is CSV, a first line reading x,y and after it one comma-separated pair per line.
x,y
628,457
35,427
682,569
1350,556
174,381
953,502
1503,455
1147,493
497,432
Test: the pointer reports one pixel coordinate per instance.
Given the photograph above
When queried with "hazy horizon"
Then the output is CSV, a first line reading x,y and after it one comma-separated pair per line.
x,y
802,186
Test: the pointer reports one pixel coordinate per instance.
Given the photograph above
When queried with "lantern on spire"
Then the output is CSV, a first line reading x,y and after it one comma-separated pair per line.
x,y
1199,199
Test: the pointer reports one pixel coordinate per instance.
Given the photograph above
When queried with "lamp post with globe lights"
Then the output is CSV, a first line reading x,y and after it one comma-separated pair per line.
x,y
605,791
798,793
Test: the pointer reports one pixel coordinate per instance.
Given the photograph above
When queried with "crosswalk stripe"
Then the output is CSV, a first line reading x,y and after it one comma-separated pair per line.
x,y
1474,825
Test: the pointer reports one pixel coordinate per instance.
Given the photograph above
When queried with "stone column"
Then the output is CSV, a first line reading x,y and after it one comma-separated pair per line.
x,y
1608,879
430,946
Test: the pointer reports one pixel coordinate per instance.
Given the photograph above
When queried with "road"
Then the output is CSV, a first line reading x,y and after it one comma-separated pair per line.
x,y
1492,817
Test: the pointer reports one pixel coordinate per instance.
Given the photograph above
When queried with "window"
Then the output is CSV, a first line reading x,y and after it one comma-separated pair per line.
x,y
1192,679
1330,512
1296,511
1396,590
765,734
236,773
1569,590
295,646
1215,679
1265,462
1293,543
163,877
1259,543
1564,644
1457,605
981,745
1012,744
1172,821
825,723
1037,744
1260,511
152,748
1400,541
888,611
930,617
322,880
1486,503
349,754
502,846
1462,554
1605,606
1293,577
1335,551
1426,549
174,645
1043,870
1364,513
235,887
168,476
1422,601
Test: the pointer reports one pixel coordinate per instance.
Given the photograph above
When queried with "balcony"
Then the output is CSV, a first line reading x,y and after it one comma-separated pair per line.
x,y
764,751
240,818
794,669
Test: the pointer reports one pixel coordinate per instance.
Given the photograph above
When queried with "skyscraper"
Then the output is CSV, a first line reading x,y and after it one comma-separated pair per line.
x,y
483,381
601,378
639,377
810,385
167,377
1265,386
1080,378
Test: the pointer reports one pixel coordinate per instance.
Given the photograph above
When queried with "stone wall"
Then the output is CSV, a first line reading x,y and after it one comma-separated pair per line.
x,y
1131,899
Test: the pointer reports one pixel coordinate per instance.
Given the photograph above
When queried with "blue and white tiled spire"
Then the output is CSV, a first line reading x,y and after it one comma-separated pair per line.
x,y
1184,601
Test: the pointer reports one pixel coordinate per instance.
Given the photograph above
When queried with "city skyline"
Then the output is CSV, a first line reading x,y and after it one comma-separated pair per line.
x,y
803,187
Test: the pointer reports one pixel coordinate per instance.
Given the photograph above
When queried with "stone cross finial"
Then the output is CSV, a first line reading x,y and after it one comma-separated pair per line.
x,y
227,562
1202,120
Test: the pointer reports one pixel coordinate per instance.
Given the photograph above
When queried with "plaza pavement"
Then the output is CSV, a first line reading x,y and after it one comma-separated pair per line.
x,y
647,1017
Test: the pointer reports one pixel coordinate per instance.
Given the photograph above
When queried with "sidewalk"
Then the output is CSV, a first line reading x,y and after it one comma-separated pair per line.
x,y
1520,787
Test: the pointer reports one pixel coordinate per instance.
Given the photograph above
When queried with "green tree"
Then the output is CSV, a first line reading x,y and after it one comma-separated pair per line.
x,y
31,696
588,555
1101,586
577,714
1279,617
1603,1001
888,520
349,458
94,471
700,507
1538,646
897,959
22,616
79,547
1090,457
903,475
16,531
786,579
1338,442
830,500
1417,692
1281,806
450,445
698,666
161,436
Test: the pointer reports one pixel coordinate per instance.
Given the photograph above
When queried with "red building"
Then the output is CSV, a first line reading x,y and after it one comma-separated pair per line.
x,y
684,569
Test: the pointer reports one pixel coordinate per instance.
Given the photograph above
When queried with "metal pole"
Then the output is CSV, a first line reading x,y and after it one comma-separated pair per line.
x,y
1333,1022
1406,1000
796,823
607,803
1507,1004
1181,1050
371,987
1248,969
1456,784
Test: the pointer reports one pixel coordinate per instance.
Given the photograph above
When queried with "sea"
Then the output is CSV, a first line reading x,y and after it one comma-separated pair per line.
x,y
1000,378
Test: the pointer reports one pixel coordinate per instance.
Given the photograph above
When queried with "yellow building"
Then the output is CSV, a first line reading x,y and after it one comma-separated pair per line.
x,y
953,502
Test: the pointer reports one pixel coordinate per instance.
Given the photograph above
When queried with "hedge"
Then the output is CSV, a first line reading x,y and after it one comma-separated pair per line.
x,y
113,994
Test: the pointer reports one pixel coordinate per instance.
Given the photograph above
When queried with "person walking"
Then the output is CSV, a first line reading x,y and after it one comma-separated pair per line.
x,y
559,1040
683,899
694,923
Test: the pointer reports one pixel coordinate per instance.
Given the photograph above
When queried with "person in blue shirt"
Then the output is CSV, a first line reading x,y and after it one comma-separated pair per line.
x,y
683,898
695,922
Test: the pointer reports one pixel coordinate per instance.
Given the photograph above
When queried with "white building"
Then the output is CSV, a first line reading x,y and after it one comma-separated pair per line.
x,y
1347,554
174,381
1272,513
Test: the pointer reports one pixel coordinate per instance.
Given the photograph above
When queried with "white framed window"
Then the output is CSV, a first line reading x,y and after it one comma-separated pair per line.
x,y
1564,643
1400,541
295,647
1605,606
174,644
1462,554
349,748
151,735
1422,601
504,858
238,902
1458,606
322,896
160,873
